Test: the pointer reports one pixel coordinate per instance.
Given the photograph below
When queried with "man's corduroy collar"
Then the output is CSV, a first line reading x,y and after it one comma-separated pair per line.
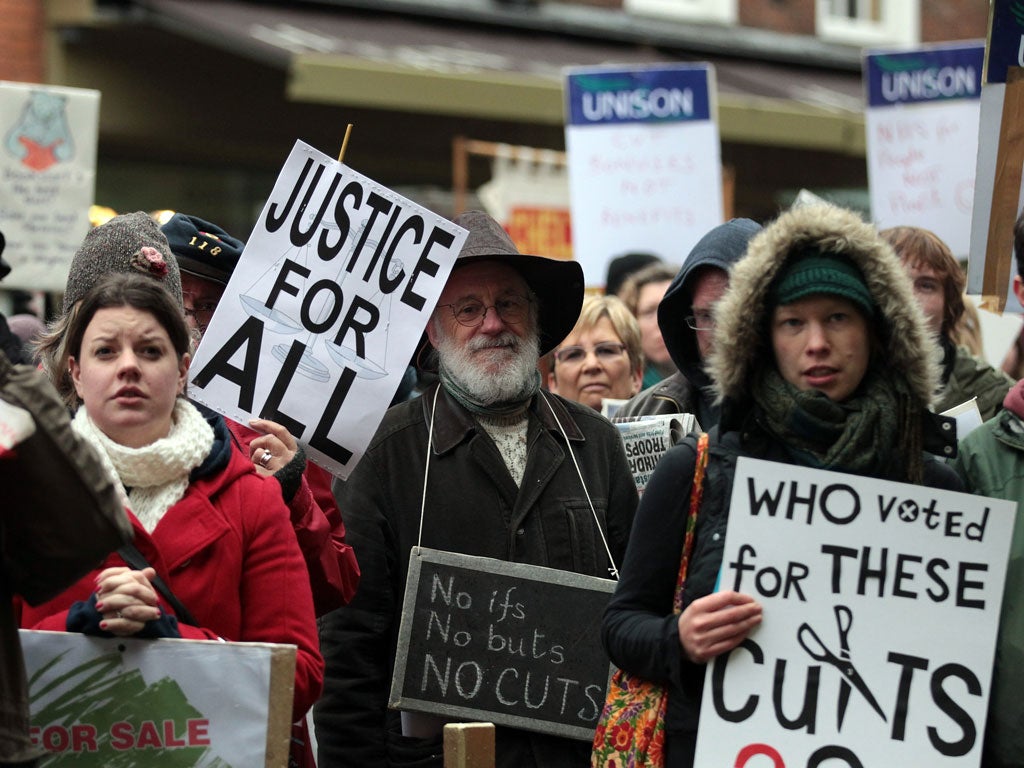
x,y
452,422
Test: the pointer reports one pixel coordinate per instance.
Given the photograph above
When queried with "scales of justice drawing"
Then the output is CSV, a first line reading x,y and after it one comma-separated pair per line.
x,y
281,322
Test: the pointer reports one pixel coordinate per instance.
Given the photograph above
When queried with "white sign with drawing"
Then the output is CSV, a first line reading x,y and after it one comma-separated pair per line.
x,y
326,308
864,656
47,179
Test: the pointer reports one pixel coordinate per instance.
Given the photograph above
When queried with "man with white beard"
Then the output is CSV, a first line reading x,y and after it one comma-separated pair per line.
x,y
483,463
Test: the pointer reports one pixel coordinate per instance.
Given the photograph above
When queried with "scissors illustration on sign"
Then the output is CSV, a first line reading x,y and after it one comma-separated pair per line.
x,y
818,651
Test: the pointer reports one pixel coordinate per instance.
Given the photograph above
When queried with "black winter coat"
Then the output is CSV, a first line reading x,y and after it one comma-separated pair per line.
x,y
639,630
473,507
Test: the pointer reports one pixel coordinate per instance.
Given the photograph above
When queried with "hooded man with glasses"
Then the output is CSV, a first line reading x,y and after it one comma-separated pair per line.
x,y
686,318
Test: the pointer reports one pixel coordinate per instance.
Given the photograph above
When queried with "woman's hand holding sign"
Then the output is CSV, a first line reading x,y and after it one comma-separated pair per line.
x,y
717,623
274,450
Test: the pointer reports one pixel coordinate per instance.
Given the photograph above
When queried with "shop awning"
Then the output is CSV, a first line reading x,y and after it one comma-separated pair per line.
x,y
386,61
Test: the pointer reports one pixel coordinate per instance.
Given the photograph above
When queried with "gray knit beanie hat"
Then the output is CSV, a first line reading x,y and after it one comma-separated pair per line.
x,y
131,242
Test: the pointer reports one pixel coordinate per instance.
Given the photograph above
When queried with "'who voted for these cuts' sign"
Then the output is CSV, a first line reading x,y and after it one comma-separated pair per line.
x,y
922,138
644,162
326,308
881,603
508,643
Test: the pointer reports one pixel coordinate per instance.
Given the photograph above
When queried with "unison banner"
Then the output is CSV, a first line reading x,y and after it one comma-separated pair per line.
x,y
644,157
1000,167
922,138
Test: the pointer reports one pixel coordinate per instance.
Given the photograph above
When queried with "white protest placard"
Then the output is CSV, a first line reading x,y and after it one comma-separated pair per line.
x,y
968,417
528,194
644,159
922,137
999,333
997,189
881,604
123,701
326,308
47,179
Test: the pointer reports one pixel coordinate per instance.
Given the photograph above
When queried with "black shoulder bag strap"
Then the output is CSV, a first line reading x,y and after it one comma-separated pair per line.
x,y
131,555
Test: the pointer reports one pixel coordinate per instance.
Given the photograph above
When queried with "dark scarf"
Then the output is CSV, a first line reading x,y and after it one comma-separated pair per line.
x,y
874,432
509,407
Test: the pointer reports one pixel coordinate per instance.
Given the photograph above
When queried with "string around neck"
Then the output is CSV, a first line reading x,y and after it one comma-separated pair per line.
x,y
426,467
613,570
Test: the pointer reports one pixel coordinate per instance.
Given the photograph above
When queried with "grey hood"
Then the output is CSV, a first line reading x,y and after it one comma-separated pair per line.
x,y
742,344
721,247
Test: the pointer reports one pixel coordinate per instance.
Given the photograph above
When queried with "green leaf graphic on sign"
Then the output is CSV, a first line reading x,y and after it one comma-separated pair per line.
x,y
115,709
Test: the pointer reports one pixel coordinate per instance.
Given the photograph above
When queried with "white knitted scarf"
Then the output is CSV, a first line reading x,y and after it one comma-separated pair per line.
x,y
157,474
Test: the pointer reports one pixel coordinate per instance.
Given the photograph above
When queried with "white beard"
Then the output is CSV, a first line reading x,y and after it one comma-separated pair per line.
x,y
499,375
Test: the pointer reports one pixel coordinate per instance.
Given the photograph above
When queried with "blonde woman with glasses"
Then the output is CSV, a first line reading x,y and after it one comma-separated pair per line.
x,y
602,357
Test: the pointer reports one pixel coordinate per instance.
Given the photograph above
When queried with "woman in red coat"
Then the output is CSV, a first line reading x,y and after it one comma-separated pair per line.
x,y
212,529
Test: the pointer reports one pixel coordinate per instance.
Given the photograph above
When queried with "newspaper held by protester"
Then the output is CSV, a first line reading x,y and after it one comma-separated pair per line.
x,y
647,438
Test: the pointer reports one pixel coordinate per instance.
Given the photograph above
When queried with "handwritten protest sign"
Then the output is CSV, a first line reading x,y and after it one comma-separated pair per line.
x,y
922,138
881,603
325,309
98,702
507,643
647,438
47,179
644,162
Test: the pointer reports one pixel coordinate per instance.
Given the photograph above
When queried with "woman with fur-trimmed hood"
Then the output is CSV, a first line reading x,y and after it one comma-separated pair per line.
x,y
822,359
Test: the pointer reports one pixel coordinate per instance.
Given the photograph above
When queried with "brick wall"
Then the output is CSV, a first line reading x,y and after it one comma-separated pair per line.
x,y
953,20
22,24
941,20
794,17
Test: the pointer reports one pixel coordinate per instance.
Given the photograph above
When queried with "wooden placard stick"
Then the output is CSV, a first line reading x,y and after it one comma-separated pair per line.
x,y
469,745
282,689
1005,194
344,143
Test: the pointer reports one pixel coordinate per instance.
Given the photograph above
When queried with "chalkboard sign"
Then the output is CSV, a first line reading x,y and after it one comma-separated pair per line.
x,y
507,643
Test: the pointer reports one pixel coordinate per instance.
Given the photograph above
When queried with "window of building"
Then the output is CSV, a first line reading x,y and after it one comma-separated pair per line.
x,y
720,11
869,22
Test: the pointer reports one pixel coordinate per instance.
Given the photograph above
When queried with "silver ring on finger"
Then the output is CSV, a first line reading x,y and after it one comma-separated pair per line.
x,y
265,458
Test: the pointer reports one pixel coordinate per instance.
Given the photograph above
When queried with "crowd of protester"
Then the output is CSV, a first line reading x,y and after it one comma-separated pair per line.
x,y
813,340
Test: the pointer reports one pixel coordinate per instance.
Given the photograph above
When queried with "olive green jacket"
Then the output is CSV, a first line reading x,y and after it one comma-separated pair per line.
x,y
973,377
991,463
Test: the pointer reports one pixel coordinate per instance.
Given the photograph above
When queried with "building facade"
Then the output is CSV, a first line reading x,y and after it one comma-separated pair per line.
x,y
201,102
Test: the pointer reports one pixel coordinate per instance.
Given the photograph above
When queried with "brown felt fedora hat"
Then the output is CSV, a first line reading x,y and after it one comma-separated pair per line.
x,y
556,283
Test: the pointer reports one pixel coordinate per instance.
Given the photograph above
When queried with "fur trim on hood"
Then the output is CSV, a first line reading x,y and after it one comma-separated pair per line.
x,y
742,343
